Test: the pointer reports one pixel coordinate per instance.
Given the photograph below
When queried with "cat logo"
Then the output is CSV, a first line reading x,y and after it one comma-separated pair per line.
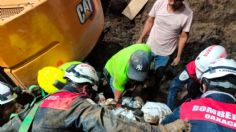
x,y
84,10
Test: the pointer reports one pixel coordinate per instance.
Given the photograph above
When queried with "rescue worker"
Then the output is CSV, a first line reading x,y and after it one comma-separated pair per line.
x,y
13,113
51,79
52,75
189,77
129,64
8,104
71,109
215,111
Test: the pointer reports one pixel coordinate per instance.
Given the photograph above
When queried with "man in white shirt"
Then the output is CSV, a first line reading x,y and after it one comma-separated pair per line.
x,y
168,25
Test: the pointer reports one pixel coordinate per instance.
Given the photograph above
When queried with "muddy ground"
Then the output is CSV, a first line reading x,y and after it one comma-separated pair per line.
x,y
214,23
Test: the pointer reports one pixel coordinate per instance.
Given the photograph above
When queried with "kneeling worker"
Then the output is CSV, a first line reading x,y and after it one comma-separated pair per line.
x,y
71,109
130,63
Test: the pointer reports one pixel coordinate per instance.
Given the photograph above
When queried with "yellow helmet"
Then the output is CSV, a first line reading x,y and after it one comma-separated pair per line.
x,y
49,79
66,65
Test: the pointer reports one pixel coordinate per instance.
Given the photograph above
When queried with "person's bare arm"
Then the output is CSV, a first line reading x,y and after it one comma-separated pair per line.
x,y
181,43
117,95
146,29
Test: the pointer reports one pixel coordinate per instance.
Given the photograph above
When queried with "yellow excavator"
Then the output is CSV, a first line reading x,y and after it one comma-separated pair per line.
x,y
39,33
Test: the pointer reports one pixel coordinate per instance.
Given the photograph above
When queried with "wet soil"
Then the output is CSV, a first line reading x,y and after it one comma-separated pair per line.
x,y
208,28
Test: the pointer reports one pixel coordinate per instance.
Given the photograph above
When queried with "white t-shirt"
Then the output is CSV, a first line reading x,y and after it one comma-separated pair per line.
x,y
167,27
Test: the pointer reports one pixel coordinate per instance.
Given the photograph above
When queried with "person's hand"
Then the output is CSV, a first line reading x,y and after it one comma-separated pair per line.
x,y
175,61
177,126
109,103
101,99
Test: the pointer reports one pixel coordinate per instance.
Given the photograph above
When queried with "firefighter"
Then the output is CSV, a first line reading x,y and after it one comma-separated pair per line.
x,y
71,108
51,79
215,111
13,112
8,104
191,74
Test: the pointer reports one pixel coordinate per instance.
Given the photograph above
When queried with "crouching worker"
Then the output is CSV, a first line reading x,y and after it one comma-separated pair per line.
x,y
215,111
50,79
12,112
191,74
8,104
129,64
71,108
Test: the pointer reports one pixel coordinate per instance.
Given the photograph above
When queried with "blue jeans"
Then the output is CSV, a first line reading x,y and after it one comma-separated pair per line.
x,y
160,61
160,64
176,85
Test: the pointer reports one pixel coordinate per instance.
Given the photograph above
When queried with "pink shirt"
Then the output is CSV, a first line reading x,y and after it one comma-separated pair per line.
x,y
167,27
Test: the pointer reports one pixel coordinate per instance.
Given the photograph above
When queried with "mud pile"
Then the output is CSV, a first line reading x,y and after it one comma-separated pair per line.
x,y
214,23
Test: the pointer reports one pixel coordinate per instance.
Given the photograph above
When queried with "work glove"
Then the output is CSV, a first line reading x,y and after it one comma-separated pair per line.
x,y
176,126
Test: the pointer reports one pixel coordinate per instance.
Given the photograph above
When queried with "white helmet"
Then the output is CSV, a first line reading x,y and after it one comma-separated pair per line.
x,y
218,69
207,56
6,94
82,73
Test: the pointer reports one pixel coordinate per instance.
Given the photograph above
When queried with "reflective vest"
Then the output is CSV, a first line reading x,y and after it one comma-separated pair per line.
x,y
206,109
60,100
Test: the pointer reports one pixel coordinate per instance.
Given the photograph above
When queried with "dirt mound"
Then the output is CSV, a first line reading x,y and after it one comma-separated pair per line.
x,y
214,23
